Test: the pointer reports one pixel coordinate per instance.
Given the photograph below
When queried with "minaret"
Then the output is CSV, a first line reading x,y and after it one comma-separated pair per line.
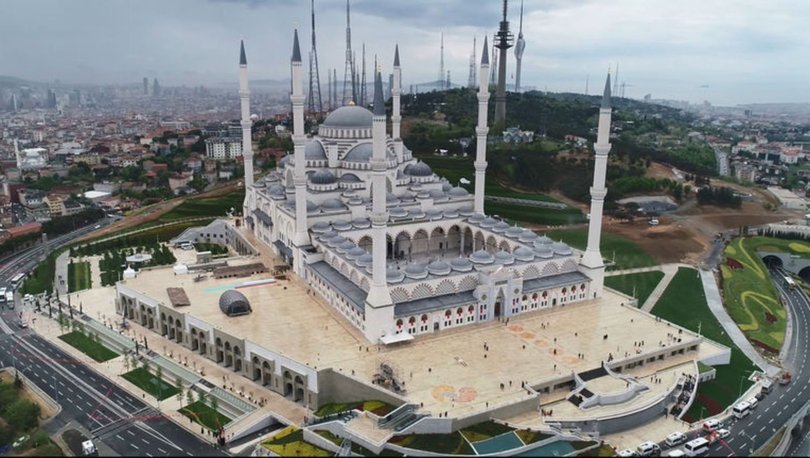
x,y
247,138
592,262
396,118
503,41
520,46
379,310
471,77
481,131
301,238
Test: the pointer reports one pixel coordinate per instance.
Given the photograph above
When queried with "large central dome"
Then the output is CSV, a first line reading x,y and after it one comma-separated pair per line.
x,y
350,116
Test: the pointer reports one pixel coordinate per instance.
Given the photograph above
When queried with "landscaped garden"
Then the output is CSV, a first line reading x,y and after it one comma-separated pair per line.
x,y
534,215
90,346
639,285
205,415
624,252
40,280
113,263
78,276
684,303
19,420
446,444
378,408
290,442
211,206
749,294
356,448
145,380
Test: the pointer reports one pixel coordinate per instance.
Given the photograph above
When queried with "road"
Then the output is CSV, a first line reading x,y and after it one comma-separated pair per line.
x,y
113,417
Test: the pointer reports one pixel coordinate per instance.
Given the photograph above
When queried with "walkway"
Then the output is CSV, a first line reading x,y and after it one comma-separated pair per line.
x,y
61,272
669,272
715,302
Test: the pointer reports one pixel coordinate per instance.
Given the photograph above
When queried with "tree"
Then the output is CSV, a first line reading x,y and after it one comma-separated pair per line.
x,y
214,403
23,414
159,377
190,396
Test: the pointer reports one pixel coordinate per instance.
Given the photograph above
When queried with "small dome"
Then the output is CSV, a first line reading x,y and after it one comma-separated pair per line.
x,y
284,161
524,254
434,214
398,212
438,268
260,184
420,169
514,232
349,178
423,195
365,260
416,213
527,236
361,223
459,192
504,257
466,212
276,189
544,252
437,194
446,186
500,227
314,151
476,218
335,241
312,207
342,225
345,246
328,235
391,198
234,303
355,253
322,176
543,240
461,264
320,227
394,276
350,116
416,271
333,204
561,249
450,214
482,257
360,153
488,222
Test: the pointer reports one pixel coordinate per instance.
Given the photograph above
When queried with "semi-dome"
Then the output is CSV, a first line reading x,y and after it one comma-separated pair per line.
x,y
335,241
488,222
461,264
314,151
398,212
360,153
504,257
500,227
394,276
561,248
355,253
416,271
350,116
420,169
234,303
333,204
322,176
438,268
514,232
365,260
459,192
523,254
361,223
345,246
482,257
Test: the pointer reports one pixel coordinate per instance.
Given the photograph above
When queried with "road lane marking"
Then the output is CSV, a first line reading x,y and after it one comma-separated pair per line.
x,y
131,433
119,437
770,421
134,446
161,450
762,429
144,441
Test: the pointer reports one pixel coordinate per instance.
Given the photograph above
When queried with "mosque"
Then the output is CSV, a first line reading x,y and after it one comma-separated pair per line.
x,y
398,250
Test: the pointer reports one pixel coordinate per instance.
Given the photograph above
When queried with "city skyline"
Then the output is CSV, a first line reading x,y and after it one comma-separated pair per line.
x,y
691,51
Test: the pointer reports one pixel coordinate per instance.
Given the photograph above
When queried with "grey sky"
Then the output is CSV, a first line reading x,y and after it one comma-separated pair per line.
x,y
744,50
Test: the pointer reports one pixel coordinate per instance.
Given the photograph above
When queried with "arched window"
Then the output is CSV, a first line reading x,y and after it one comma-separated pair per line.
x,y
534,296
545,294
582,287
412,320
447,313
564,290
424,318
399,323
525,297
459,311
471,309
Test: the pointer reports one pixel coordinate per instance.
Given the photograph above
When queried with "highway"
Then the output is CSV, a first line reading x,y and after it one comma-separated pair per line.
x,y
105,411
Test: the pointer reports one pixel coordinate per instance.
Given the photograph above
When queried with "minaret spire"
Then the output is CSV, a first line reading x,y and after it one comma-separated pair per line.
x,y
520,46
503,41
592,262
301,238
315,102
246,124
348,70
481,131
396,118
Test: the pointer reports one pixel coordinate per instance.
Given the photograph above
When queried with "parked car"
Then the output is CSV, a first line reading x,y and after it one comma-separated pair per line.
x,y
711,425
723,433
676,438
627,453
648,449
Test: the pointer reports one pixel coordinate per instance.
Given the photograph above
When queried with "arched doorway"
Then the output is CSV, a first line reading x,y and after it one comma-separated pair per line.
x,y
237,359
257,369
266,373
299,389
228,355
220,353
499,301
288,385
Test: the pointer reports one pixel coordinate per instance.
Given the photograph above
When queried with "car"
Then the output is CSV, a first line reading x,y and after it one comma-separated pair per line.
x,y
711,425
97,226
21,440
723,433
676,438
648,449
752,402
677,452
627,452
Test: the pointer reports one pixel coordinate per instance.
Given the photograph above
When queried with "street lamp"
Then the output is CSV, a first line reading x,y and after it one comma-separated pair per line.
x,y
743,377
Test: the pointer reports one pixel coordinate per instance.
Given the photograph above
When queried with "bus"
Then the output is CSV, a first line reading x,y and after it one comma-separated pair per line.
x,y
2,295
17,279
790,282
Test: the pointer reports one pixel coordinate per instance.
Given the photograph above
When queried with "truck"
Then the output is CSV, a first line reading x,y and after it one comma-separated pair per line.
x,y
89,448
785,377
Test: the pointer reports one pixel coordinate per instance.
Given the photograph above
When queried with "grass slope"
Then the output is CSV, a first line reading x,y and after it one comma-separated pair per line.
x,y
205,415
627,253
684,303
749,294
213,206
78,276
642,284
88,346
144,380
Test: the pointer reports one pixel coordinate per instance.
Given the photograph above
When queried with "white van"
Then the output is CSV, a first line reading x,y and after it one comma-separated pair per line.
x,y
696,447
676,438
752,401
741,410
648,449
676,452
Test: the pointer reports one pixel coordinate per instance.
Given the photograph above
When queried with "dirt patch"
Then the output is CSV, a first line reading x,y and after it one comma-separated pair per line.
x,y
766,347
659,171
45,410
666,242
733,263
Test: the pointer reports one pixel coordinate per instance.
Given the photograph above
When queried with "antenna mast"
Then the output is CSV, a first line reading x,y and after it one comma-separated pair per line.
x,y
441,65
472,76
315,103
348,70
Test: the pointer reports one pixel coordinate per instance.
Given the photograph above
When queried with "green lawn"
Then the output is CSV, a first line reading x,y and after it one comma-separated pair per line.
x,y
626,253
535,215
799,248
749,294
88,346
290,442
446,444
78,276
214,206
639,285
41,278
148,382
205,415
684,303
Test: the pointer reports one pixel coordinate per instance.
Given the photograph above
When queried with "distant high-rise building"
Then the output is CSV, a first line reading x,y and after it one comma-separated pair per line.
x,y
155,88
51,99
145,86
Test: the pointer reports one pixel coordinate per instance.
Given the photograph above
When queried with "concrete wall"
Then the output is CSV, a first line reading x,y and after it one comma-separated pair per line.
x,y
336,387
